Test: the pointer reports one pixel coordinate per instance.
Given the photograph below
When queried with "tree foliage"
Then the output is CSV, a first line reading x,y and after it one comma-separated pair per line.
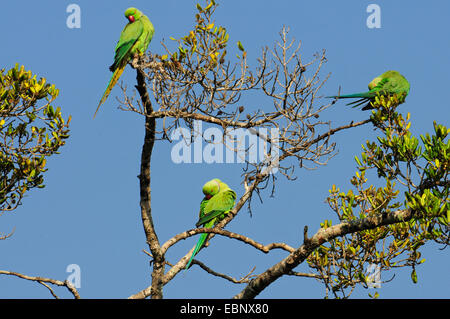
x,y
31,130
416,180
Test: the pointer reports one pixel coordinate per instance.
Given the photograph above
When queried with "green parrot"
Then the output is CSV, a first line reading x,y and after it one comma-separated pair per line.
x,y
218,201
134,39
389,83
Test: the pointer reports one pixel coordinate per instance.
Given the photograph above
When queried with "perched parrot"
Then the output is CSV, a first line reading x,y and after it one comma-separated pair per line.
x,y
389,83
218,201
134,39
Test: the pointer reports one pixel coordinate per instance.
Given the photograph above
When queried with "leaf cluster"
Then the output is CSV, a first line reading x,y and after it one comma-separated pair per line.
x,y
418,167
31,129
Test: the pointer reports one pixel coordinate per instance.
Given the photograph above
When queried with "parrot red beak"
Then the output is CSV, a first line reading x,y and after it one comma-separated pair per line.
x,y
131,18
208,196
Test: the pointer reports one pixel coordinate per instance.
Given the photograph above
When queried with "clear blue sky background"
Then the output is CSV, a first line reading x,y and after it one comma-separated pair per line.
x,y
89,212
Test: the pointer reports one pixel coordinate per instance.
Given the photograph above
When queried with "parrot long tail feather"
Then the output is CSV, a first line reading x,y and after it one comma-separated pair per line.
x,y
358,102
368,106
365,95
199,245
114,78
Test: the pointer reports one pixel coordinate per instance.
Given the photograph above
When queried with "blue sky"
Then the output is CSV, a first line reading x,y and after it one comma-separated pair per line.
x,y
88,214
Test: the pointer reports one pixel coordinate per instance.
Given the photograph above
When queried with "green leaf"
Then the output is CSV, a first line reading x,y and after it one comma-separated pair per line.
x,y
209,5
240,46
414,276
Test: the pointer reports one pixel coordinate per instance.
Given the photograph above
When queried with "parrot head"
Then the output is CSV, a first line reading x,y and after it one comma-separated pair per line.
x,y
374,82
132,14
211,188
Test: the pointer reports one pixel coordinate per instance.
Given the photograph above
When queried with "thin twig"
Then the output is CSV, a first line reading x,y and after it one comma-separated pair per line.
x,y
42,281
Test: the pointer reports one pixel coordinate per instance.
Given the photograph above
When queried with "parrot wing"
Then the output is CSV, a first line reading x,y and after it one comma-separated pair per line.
x,y
217,206
130,34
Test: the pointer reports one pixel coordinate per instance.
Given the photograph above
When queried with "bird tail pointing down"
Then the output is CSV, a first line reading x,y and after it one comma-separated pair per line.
x,y
197,248
115,77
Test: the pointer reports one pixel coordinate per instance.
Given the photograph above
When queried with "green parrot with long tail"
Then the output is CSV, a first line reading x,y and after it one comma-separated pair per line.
x,y
388,84
134,40
218,201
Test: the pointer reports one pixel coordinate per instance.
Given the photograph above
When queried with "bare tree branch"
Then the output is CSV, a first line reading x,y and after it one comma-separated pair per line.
x,y
286,265
226,233
43,281
145,190
244,279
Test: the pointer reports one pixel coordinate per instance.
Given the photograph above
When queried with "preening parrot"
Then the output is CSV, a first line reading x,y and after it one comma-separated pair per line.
x,y
218,201
388,84
134,39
